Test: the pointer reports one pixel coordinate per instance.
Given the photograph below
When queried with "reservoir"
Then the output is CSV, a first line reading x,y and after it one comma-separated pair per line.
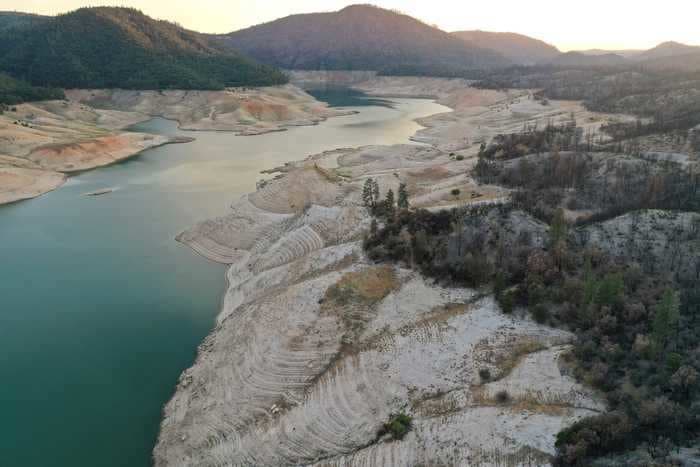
x,y
100,308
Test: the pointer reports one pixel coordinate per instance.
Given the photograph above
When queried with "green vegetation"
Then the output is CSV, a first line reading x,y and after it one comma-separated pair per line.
x,y
123,48
634,308
13,92
398,426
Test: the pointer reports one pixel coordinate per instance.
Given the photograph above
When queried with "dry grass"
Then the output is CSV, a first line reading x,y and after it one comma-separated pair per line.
x,y
353,298
363,287
528,402
327,174
506,362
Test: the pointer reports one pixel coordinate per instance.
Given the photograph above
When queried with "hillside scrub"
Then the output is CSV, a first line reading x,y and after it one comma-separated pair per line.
x,y
583,177
637,326
670,98
13,91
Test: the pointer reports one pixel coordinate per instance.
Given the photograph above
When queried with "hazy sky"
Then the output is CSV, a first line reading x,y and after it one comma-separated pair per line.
x,y
569,25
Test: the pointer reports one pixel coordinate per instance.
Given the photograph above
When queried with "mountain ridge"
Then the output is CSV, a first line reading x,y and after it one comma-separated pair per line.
x,y
357,37
519,48
112,47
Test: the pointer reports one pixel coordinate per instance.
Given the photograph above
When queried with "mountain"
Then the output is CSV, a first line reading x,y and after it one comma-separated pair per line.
x,y
668,49
625,53
518,48
581,60
121,47
14,19
686,62
359,37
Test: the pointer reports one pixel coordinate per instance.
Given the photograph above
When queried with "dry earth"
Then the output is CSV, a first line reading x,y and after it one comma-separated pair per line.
x,y
315,347
246,111
41,141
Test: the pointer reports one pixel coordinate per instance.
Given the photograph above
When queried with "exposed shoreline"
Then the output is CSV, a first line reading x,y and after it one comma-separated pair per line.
x,y
276,381
46,142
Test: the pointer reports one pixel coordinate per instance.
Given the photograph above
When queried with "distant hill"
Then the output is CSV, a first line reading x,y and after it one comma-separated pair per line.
x,y
667,49
359,37
578,59
687,62
625,53
122,47
14,20
519,49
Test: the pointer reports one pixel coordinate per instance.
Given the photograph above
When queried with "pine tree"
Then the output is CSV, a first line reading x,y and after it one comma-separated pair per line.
x,y
368,194
373,227
375,192
558,228
403,197
389,203
666,319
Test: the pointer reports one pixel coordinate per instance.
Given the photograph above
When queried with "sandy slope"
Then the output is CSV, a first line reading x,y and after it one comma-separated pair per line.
x,y
293,375
247,111
87,131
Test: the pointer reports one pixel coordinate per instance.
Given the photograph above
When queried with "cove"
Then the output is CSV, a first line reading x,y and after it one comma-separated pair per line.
x,y
101,310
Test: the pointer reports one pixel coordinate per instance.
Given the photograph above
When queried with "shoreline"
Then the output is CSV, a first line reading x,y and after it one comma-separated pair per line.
x,y
294,238
94,126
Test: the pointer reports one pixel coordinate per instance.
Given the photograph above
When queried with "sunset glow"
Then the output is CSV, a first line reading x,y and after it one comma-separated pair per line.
x,y
624,24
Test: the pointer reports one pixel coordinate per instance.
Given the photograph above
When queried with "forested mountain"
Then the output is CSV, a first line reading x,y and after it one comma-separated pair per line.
x,y
122,47
518,48
578,59
15,19
359,37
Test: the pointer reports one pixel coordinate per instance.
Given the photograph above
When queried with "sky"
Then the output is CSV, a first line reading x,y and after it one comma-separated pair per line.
x,y
608,24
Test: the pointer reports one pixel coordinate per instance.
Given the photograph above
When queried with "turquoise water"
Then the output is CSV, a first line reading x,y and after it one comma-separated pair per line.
x,y
101,310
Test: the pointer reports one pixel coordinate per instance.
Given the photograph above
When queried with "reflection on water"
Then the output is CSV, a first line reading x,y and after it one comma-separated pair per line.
x,y
101,309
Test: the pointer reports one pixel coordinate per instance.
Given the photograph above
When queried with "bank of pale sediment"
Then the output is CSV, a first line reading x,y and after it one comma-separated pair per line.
x,y
296,374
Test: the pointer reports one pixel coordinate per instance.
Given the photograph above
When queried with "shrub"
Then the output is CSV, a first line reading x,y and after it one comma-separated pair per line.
x,y
460,157
540,314
455,192
398,426
485,374
502,397
506,301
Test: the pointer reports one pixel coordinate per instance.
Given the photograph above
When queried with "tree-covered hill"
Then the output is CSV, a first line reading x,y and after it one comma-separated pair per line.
x,y
14,20
14,91
123,48
359,37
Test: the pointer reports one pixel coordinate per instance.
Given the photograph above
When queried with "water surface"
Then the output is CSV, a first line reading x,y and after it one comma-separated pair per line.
x,y
101,310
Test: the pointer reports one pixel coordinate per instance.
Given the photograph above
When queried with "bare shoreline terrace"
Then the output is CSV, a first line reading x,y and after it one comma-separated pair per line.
x,y
42,143
296,373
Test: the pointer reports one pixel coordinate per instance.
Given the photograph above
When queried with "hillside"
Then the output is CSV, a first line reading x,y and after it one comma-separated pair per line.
x,y
358,37
13,19
14,91
120,47
686,62
518,48
625,53
667,49
578,59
